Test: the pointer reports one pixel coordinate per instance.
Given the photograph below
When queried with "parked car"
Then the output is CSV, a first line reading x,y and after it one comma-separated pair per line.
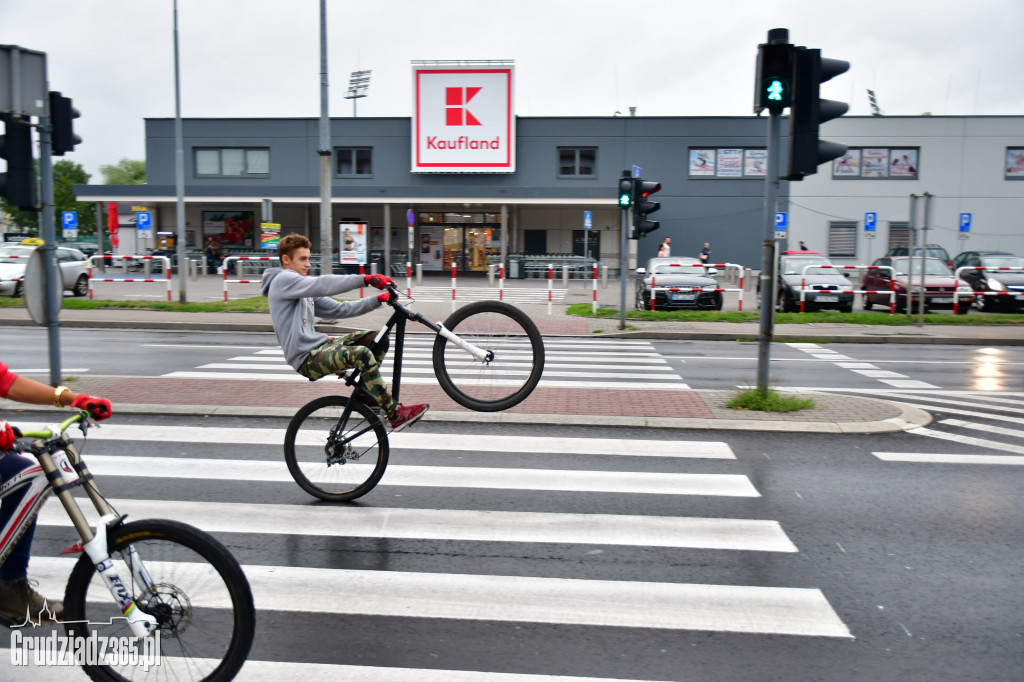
x,y
678,283
74,269
931,251
1007,287
825,283
939,284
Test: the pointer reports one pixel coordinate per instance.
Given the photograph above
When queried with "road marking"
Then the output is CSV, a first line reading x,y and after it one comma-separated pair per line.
x,y
908,383
459,525
953,410
866,369
967,440
984,427
494,478
568,601
628,447
968,403
930,458
880,374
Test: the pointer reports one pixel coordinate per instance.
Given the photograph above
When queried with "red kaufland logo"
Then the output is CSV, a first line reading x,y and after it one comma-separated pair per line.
x,y
456,113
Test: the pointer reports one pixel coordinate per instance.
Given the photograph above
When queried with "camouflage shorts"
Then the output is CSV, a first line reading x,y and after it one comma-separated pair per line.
x,y
350,352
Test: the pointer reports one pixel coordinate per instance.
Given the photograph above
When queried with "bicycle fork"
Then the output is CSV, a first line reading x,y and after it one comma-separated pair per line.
x,y
64,473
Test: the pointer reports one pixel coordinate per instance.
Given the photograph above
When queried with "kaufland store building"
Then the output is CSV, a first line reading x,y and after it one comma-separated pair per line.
x,y
479,183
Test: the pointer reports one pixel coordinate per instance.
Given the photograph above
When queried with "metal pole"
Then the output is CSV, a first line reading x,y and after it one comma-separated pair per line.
x,y
910,255
924,243
326,238
625,266
768,259
54,290
504,233
179,169
387,241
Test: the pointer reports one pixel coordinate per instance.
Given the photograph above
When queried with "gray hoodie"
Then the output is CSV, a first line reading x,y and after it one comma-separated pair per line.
x,y
295,300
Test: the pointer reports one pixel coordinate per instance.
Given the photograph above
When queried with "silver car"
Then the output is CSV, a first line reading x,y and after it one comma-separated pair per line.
x,y
678,282
74,269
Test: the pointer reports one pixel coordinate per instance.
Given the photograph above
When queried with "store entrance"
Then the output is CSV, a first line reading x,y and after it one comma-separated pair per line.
x,y
469,240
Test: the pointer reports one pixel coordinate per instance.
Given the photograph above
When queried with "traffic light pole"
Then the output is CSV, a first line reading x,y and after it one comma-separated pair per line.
x,y
768,264
54,288
625,268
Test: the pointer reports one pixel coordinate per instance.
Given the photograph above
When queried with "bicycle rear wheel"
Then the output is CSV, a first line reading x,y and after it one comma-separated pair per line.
x,y
200,598
509,376
332,456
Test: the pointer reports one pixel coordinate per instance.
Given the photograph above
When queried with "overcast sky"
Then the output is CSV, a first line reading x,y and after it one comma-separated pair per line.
x,y
252,58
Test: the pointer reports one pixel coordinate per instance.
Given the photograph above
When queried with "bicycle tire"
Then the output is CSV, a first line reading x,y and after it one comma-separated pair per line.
x,y
308,447
518,357
202,600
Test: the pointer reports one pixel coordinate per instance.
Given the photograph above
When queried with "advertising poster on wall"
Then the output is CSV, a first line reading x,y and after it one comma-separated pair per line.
x,y
755,162
1015,163
730,163
431,252
270,236
463,119
232,229
847,165
874,163
702,162
902,163
352,243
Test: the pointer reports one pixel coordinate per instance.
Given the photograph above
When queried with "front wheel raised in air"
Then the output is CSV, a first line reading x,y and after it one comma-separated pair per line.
x,y
333,453
515,356
200,598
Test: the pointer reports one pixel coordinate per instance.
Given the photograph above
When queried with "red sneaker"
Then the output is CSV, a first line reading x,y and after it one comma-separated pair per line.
x,y
406,416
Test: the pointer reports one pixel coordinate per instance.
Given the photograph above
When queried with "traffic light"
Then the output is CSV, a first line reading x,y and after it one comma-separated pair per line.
x,y
773,85
642,189
808,112
625,193
18,184
62,116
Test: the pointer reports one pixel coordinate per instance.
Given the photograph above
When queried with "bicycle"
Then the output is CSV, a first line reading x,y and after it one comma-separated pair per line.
x,y
168,580
336,447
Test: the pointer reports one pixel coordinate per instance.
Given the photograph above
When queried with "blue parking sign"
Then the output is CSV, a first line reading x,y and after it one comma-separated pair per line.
x,y
69,219
965,222
870,220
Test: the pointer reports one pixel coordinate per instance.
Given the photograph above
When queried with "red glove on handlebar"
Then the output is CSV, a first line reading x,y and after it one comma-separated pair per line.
x,y
99,408
387,297
378,281
7,435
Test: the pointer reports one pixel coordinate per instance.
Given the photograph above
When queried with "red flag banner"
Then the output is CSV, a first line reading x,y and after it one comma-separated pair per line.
x,y
112,224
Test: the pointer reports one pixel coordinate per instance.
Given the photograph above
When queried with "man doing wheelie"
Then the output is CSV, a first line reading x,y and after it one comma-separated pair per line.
x,y
295,299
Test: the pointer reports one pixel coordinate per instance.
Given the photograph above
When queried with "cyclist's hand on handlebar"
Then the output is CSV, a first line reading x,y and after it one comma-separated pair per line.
x,y
8,434
378,281
99,408
389,296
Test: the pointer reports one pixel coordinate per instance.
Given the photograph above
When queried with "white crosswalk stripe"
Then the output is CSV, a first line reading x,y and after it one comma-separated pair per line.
x,y
531,600
435,294
894,379
569,363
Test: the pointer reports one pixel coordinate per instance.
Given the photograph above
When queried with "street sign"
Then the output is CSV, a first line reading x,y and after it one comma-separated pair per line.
x,y
588,220
965,225
870,222
144,223
780,225
410,218
69,221
637,173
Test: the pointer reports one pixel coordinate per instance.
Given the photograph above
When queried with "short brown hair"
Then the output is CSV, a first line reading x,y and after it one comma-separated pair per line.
x,y
290,242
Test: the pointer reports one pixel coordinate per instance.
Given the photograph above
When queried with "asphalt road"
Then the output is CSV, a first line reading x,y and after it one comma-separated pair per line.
x,y
871,569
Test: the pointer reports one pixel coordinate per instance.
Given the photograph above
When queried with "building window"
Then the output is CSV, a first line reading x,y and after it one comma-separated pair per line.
x,y
899,234
728,163
877,163
842,239
1015,163
577,162
353,161
232,162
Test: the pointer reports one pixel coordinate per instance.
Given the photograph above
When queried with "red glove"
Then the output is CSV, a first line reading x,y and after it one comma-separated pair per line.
x,y
99,408
378,281
387,297
7,435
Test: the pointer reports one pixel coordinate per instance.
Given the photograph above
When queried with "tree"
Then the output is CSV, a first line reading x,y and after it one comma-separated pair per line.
x,y
66,174
124,172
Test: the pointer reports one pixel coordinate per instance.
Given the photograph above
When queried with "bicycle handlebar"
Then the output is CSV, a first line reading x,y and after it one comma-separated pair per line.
x,y
48,434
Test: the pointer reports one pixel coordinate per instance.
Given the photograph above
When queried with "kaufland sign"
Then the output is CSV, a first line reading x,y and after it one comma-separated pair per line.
x,y
463,120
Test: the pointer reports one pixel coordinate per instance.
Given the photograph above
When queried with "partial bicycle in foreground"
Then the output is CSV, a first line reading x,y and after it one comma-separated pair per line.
x,y
487,356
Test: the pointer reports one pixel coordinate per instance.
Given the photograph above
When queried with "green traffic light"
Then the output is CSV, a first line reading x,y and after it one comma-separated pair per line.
x,y
624,200
775,89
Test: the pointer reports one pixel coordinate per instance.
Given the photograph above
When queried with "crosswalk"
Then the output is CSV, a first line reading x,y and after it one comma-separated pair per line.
x,y
446,525
516,295
569,363
977,427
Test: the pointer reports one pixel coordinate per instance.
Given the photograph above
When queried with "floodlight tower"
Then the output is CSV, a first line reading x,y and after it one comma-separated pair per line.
x,y
358,84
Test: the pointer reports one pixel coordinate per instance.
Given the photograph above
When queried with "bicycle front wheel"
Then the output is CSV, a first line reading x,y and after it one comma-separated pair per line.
x,y
516,356
199,596
333,456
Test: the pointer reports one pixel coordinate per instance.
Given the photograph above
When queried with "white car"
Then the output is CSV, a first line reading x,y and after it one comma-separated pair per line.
x,y
74,269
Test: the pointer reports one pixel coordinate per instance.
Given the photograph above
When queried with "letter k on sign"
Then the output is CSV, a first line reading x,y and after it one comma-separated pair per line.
x,y
456,114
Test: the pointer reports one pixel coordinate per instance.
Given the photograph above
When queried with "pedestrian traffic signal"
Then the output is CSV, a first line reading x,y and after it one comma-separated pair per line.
x,y
773,85
642,189
808,112
625,193
18,184
62,116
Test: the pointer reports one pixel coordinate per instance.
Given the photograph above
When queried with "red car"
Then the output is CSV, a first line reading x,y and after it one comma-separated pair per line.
x,y
939,283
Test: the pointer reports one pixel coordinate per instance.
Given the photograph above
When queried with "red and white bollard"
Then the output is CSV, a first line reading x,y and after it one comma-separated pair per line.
x,y
595,290
453,286
501,282
551,275
741,291
653,296
408,279
361,286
